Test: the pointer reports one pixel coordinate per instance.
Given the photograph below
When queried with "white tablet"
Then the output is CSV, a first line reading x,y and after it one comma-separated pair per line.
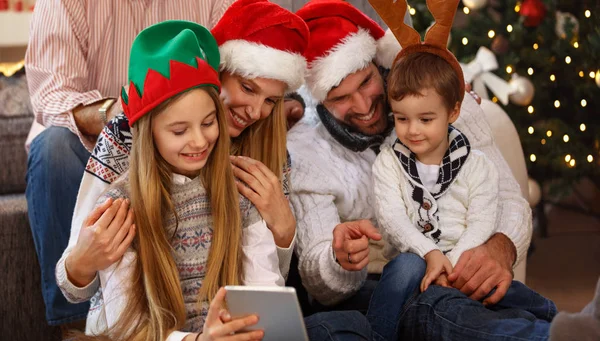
x,y
277,307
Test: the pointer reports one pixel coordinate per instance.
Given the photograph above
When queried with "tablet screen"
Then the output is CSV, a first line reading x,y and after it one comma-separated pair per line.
x,y
277,307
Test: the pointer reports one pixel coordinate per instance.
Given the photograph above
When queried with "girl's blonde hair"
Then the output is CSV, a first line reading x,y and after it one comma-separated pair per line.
x,y
265,141
155,304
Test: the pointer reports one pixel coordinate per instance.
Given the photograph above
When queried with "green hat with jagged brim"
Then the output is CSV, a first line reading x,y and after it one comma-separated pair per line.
x,y
167,59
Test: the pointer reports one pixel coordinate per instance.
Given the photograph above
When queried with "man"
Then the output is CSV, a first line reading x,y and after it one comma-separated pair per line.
x,y
76,64
331,167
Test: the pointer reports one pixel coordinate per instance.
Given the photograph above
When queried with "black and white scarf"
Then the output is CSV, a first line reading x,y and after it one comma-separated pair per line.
x,y
453,160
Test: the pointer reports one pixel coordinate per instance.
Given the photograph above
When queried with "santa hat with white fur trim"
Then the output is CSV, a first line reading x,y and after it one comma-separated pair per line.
x,y
258,38
342,41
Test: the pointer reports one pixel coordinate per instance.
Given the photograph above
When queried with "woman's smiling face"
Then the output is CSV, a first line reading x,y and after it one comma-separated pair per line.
x,y
248,100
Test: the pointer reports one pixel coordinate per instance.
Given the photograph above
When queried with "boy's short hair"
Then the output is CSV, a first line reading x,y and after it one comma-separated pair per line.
x,y
421,70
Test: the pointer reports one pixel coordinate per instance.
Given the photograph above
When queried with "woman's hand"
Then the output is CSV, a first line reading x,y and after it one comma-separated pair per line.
x,y
473,94
220,326
437,265
104,237
263,188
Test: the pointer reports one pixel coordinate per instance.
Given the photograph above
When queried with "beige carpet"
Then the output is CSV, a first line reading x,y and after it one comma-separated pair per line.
x,y
565,267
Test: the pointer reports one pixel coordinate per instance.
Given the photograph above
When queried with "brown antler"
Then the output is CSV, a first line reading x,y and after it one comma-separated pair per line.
x,y
443,12
392,14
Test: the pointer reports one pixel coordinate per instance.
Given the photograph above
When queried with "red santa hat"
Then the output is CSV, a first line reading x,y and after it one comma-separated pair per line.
x,y
342,41
258,38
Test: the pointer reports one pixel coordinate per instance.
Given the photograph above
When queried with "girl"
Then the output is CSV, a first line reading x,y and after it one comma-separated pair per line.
x,y
191,236
262,60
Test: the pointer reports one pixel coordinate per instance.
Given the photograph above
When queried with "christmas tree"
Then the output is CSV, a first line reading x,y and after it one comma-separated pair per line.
x,y
548,53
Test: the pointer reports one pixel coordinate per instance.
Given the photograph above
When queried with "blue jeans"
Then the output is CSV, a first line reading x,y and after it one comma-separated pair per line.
x,y
338,326
447,314
399,282
56,164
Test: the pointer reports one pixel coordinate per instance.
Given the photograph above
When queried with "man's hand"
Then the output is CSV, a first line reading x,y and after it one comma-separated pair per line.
x,y
351,243
484,268
89,121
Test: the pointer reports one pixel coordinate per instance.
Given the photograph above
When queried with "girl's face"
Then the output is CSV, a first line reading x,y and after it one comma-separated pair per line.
x,y
248,100
185,133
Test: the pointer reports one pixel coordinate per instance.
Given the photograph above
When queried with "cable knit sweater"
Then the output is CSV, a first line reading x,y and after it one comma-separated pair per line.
x,y
458,214
332,184
190,243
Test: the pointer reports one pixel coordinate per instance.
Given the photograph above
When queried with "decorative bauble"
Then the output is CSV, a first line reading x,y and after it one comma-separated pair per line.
x,y
475,4
534,11
597,79
500,45
563,19
535,192
522,90
449,34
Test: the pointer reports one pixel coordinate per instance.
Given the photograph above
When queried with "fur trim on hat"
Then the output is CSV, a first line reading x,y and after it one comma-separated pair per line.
x,y
388,48
253,60
353,53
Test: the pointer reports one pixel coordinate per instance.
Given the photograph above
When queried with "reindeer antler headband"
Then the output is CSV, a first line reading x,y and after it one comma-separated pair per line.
x,y
436,38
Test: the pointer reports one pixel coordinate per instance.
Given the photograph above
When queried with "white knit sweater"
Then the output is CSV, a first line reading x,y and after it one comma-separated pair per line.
x,y
332,184
462,218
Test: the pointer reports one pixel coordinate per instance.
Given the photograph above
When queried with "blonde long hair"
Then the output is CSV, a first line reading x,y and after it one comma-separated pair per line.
x,y
155,303
265,141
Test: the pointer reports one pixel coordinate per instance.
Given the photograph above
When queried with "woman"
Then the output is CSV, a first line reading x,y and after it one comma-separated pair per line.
x,y
261,47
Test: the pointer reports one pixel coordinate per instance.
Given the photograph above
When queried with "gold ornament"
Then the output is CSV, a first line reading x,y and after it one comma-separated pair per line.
x,y
523,90
475,4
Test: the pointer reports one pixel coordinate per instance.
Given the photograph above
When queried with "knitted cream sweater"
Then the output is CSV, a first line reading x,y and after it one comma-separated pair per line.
x,y
333,184
462,218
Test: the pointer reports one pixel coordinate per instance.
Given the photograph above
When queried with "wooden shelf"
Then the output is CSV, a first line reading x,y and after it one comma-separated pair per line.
x,y
14,28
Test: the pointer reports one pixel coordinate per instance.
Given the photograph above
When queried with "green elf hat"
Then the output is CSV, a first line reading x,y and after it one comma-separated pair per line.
x,y
167,59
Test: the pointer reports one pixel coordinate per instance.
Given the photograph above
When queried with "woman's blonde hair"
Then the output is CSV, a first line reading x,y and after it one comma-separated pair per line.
x,y
265,141
155,304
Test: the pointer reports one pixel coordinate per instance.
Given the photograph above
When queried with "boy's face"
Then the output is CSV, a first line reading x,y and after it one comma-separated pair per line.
x,y
421,124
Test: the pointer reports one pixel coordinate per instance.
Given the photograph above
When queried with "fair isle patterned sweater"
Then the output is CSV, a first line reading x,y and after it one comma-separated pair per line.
x,y
110,159
191,242
457,214
333,184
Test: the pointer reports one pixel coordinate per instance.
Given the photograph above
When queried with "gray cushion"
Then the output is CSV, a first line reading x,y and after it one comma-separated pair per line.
x,y
22,308
13,158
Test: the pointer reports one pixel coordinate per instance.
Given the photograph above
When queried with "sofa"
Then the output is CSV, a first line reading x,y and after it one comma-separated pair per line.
x,y
22,308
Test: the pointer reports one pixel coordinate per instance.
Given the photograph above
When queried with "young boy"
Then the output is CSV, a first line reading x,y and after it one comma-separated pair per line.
x,y
435,196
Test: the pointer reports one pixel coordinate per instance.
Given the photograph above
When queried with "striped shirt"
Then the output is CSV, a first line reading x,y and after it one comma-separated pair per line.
x,y
78,50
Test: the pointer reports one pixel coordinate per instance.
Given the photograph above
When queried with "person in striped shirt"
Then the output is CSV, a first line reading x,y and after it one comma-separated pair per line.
x,y
76,63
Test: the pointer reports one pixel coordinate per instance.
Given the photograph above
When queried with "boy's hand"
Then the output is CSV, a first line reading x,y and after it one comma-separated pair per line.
x,y
437,264
442,281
